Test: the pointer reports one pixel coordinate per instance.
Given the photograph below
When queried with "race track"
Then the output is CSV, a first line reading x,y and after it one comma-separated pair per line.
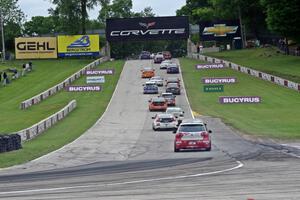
x,y
121,157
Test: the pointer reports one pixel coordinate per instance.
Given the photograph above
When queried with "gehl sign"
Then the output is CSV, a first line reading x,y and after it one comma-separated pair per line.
x,y
154,28
36,47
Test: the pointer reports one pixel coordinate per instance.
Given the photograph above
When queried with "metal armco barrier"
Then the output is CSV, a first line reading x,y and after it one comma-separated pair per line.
x,y
51,91
267,77
10,143
40,127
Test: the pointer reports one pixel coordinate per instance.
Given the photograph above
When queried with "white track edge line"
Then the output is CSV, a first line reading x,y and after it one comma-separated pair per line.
x,y
240,165
185,93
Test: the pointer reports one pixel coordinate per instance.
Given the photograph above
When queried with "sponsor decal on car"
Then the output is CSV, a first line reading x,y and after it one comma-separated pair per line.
x,y
210,66
87,88
219,80
239,99
100,72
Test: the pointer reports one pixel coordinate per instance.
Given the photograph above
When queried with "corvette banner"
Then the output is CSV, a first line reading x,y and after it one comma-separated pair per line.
x,y
155,28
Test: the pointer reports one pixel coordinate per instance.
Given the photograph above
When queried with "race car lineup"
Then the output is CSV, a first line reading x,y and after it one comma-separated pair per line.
x,y
191,134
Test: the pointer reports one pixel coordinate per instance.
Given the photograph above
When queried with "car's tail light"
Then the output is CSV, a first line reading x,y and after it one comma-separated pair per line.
x,y
205,135
157,120
179,136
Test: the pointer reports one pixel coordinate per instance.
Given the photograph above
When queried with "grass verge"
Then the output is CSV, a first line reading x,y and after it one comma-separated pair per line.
x,y
267,60
46,74
276,117
90,106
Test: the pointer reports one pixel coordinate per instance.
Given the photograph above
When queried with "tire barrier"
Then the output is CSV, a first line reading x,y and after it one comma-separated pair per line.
x,y
53,90
10,142
40,127
267,77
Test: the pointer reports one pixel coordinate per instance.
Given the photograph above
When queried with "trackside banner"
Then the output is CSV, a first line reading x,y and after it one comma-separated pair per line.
x,y
155,28
219,30
78,45
35,47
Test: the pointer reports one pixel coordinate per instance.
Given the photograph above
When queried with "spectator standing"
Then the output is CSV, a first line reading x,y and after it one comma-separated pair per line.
x,y
5,79
30,65
198,48
24,69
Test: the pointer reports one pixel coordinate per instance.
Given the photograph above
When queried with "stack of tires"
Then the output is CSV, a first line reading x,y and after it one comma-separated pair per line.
x,y
10,143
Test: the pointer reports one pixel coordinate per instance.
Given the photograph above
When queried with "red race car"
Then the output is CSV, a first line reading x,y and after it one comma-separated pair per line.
x,y
192,134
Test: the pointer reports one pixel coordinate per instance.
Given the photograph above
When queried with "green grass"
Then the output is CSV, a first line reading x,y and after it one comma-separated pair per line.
x,y
266,60
46,74
278,116
90,106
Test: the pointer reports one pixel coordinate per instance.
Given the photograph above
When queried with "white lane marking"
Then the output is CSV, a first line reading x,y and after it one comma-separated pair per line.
x,y
44,156
292,145
240,165
185,94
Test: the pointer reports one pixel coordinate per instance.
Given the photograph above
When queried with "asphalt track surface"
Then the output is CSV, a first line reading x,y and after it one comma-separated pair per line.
x,y
121,157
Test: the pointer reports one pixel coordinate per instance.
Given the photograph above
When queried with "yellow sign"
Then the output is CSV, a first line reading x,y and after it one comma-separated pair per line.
x,y
35,47
78,45
219,30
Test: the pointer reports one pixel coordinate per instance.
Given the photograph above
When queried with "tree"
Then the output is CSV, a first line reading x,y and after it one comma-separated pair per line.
x,y
116,9
72,14
283,17
10,13
40,25
146,12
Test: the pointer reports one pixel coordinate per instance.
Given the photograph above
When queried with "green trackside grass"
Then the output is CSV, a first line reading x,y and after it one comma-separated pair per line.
x,y
278,116
266,60
90,106
46,74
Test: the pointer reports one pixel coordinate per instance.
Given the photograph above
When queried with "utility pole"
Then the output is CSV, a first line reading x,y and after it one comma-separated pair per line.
x,y
243,34
2,36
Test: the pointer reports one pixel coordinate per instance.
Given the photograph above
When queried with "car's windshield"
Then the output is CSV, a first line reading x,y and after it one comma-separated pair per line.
x,y
191,128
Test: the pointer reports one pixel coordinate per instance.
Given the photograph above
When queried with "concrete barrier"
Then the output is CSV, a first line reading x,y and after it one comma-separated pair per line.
x,y
40,127
53,90
268,77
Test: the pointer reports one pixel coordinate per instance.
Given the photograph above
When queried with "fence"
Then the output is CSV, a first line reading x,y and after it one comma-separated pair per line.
x,y
38,128
53,90
252,72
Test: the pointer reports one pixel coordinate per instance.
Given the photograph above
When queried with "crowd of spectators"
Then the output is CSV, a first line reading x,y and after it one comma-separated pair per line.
x,y
15,73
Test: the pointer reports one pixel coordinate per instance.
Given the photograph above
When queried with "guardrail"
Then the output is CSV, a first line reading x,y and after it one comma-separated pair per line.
x,y
53,90
38,128
268,77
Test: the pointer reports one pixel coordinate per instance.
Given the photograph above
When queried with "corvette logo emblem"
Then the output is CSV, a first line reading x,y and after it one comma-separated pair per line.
x,y
147,25
220,30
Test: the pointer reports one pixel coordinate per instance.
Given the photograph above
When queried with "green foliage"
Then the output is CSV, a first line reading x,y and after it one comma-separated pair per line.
x,y
283,17
146,12
249,11
12,30
10,11
12,19
72,14
121,9
39,25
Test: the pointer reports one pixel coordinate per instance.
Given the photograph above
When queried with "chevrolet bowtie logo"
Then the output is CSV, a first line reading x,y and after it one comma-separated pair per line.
x,y
220,30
